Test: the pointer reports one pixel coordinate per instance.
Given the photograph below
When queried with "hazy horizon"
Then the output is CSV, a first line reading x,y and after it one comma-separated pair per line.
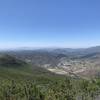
x,y
45,48
49,23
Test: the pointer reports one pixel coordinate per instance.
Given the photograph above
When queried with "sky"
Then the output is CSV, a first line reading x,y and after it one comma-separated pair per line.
x,y
49,23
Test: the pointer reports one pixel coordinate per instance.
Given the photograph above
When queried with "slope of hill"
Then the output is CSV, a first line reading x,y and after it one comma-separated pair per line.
x,y
9,61
91,56
11,68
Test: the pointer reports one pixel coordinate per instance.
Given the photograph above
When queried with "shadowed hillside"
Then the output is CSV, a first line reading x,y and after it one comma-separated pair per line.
x,y
10,61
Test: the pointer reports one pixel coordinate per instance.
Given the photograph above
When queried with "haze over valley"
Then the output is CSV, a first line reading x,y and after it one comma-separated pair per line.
x,y
67,61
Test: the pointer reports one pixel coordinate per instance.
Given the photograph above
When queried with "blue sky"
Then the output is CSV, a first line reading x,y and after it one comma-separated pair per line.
x,y
49,23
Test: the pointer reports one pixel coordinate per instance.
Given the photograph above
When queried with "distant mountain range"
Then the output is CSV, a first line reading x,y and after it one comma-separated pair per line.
x,y
84,62
57,50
